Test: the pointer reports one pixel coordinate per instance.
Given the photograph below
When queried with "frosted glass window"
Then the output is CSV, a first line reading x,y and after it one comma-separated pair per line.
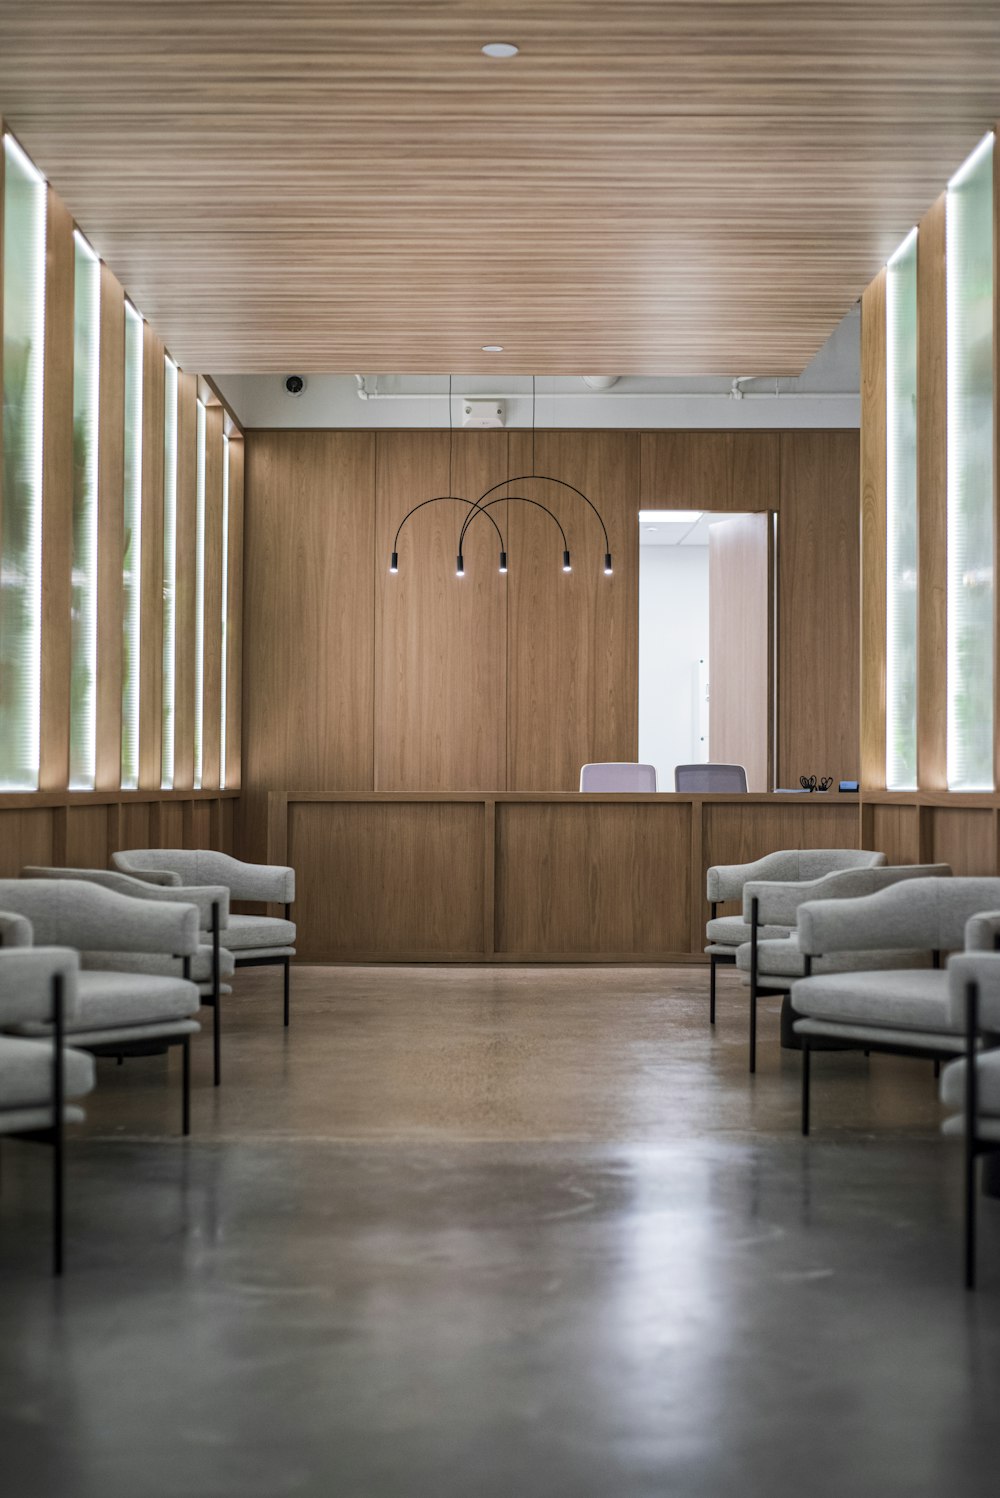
x,y
83,601
199,606
225,609
901,518
21,527
169,573
970,473
132,564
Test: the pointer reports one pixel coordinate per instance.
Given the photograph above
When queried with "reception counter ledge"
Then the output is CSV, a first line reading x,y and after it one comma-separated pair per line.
x,y
517,877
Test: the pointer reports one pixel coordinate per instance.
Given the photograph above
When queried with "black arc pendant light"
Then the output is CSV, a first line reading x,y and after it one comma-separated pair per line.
x,y
484,504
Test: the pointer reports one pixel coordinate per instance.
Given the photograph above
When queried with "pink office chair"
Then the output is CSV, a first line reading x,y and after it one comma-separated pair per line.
x,y
618,776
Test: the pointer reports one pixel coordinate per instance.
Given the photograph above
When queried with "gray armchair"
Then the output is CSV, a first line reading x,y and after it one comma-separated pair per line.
x,y
972,1085
254,940
898,1010
212,962
725,934
118,1013
772,964
40,1079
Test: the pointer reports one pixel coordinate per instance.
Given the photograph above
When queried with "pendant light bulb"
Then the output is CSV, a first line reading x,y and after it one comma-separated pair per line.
x,y
503,561
567,565
460,566
608,569
394,563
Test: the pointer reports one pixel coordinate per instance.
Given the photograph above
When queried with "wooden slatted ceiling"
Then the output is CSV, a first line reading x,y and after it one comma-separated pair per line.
x,y
659,186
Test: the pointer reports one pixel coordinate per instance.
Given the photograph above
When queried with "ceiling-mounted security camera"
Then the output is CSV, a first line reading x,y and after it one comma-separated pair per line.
x,y
294,384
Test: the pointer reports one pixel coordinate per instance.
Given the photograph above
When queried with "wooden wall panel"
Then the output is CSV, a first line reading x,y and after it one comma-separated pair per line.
x,y
818,606
932,499
234,636
110,533
170,828
151,587
583,879
896,833
212,688
964,838
709,470
440,640
873,534
57,499
572,648
26,836
399,882
737,834
308,634
86,840
185,593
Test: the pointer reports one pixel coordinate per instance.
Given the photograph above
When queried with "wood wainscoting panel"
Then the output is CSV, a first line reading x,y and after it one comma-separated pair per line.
x,y
388,881
735,833
896,833
578,879
86,837
440,640
873,534
965,838
171,824
26,836
932,502
572,638
308,637
818,612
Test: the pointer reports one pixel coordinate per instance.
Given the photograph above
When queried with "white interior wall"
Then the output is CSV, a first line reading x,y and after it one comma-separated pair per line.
x,y
673,637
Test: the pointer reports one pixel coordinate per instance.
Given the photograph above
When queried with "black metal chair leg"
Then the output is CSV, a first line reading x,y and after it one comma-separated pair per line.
x,y
971,1120
805,1085
711,989
217,997
186,1085
59,1124
753,1026
287,988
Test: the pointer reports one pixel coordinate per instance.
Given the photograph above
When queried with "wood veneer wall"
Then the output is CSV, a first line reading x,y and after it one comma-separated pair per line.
x,y
358,681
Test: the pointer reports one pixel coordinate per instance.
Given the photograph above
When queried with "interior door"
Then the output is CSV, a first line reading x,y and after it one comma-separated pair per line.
x,y
740,646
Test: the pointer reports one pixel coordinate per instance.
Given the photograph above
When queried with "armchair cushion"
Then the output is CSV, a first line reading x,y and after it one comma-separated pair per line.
x,y
731,931
784,959
79,914
726,881
26,1073
162,966
249,933
111,1001
272,883
913,999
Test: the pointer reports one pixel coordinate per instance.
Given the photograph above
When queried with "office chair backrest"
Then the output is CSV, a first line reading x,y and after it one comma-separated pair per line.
x,y
704,779
618,776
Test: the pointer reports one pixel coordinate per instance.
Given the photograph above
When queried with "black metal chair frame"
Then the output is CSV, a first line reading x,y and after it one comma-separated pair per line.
x,y
284,962
975,1146
714,961
55,1135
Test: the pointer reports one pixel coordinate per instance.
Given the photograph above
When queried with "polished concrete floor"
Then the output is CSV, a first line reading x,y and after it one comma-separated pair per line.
x,y
467,1233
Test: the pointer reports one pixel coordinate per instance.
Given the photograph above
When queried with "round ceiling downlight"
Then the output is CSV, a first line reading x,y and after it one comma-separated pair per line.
x,y
492,348
500,49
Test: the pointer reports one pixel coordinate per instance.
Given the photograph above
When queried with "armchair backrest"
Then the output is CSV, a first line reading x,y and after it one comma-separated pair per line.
x,y
75,913
204,896
271,883
725,881
778,902
920,915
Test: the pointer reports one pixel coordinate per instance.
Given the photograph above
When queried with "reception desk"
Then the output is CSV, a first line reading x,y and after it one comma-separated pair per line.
x,y
527,877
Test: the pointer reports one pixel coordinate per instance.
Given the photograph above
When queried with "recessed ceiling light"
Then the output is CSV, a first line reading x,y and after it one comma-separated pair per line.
x,y
500,49
492,348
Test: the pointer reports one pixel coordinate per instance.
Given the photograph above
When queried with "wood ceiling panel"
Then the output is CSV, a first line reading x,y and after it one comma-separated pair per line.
x,y
652,186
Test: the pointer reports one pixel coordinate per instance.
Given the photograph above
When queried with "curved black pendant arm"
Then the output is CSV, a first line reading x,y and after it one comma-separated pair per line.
x,y
474,504
480,509
544,478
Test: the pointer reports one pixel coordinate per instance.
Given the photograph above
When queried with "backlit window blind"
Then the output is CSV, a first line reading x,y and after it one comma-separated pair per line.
x,y
83,604
169,572
225,609
969,273
21,532
199,606
901,518
131,566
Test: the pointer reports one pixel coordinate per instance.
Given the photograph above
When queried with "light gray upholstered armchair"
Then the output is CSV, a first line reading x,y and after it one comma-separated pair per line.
x,y
725,934
211,963
254,940
40,1080
972,1085
903,1011
117,1013
771,965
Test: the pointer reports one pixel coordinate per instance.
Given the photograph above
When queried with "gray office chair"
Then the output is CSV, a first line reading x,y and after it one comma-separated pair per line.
x,y
700,780
618,775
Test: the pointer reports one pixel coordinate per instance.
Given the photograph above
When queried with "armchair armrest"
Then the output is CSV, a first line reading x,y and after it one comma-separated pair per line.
x,y
982,932
983,969
15,930
726,881
270,883
779,903
76,913
204,896
26,975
